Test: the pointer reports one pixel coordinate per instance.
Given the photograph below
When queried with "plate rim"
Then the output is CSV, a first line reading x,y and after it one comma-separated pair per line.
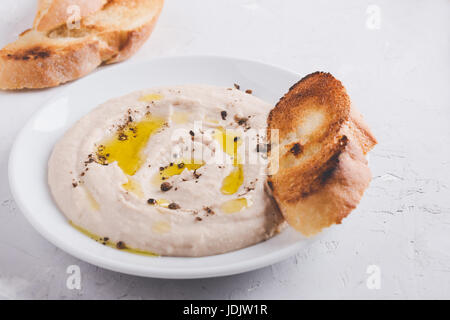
x,y
113,264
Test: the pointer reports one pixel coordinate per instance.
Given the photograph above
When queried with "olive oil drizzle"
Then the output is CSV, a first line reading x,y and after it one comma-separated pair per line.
x,y
232,182
230,142
151,97
127,144
234,205
133,187
177,168
105,241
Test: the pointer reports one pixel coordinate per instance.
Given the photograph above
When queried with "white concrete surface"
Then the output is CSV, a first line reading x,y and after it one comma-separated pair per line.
x,y
393,57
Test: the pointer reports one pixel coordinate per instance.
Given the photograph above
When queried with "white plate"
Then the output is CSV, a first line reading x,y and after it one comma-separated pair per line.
x,y
28,161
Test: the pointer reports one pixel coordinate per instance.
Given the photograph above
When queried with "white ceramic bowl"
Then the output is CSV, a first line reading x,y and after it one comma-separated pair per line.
x,y
29,156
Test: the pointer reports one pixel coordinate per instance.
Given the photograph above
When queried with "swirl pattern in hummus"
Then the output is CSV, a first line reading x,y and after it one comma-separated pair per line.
x,y
173,171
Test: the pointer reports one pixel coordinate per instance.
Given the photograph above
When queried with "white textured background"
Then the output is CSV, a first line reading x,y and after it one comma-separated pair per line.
x,y
397,75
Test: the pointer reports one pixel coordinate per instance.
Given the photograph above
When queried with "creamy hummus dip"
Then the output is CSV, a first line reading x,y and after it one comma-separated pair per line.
x,y
176,171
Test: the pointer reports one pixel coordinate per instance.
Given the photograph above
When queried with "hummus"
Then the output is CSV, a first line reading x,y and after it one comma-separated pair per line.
x,y
176,171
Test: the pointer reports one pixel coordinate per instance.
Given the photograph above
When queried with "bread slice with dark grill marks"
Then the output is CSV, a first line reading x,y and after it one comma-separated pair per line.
x,y
54,53
318,169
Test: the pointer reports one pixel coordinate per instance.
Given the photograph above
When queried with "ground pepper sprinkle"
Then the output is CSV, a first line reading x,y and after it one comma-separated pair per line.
x,y
223,114
121,245
165,186
174,206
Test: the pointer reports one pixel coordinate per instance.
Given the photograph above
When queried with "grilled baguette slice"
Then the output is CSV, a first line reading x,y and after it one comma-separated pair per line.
x,y
318,169
40,59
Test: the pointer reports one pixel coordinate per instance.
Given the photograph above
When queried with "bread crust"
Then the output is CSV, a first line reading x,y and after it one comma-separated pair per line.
x,y
47,66
125,43
134,39
322,171
41,60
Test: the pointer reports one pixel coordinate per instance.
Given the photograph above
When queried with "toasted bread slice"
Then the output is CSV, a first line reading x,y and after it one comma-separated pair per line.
x,y
318,166
45,59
